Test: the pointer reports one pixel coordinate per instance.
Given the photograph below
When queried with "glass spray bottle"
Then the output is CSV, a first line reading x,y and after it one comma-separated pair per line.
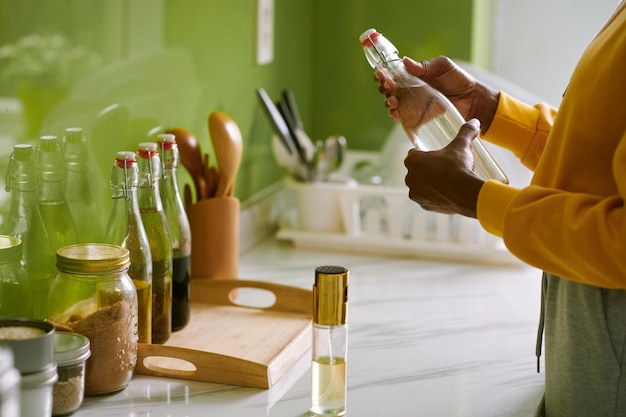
x,y
429,119
330,341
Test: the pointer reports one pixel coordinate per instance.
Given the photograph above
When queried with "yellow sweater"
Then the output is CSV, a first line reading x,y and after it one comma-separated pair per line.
x,y
571,220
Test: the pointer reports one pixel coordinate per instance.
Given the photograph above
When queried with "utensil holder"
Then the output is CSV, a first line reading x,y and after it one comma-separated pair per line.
x,y
214,226
318,203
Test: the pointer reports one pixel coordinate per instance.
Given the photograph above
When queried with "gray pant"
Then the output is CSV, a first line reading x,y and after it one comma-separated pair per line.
x,y
585,336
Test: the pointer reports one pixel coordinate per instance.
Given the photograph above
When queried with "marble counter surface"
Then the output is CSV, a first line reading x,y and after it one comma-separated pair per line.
x,y
425,339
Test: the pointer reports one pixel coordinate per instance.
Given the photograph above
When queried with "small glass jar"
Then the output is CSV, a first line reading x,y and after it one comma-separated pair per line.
x,y
9,385
15,289
71,351
93,295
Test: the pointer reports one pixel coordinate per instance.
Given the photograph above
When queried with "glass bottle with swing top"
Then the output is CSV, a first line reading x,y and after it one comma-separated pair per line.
x,y
429,119
153,217
125,228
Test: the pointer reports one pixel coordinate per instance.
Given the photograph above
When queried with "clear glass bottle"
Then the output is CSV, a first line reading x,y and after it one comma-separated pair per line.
x,y
80,191
429,119
125,228
154,221
59,228
93,295
25,223
180,232
15,289
53,206
21,182
330,341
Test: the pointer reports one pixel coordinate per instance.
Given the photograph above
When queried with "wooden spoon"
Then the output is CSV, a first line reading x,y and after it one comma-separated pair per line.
x,y
228,147
191,158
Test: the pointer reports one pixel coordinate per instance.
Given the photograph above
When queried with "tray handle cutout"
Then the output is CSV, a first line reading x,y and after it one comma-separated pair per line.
x,y
249,297
168,366
183,363
239,292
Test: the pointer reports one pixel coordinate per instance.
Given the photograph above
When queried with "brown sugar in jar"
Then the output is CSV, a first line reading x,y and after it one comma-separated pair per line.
x,y
93,295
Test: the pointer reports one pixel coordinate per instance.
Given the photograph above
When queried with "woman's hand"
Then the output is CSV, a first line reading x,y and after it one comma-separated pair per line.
x,y
444,181
471,98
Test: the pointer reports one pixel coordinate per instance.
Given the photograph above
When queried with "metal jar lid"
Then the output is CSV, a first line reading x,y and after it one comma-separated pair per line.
x,y
92,258
70,348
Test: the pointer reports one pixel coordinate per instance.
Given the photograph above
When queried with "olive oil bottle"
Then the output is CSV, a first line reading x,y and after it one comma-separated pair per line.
x,y
153,217
125,228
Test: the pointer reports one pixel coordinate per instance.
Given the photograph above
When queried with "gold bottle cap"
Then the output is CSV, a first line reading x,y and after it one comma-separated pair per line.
x,y
330,295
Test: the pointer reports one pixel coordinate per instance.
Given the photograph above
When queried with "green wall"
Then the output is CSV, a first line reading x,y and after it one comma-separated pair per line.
x,y
171,62
346,99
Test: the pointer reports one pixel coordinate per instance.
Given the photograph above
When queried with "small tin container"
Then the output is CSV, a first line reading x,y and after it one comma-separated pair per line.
x,y
9,385
93,295
31,341
36,392
71,351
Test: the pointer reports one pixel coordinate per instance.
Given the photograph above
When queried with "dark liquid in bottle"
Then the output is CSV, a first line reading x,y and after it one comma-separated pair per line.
x,y
181,292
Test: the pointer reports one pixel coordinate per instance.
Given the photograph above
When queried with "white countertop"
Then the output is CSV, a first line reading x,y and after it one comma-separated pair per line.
x,y
425,339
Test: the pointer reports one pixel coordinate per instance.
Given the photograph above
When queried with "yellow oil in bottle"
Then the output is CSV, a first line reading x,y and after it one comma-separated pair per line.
x,y
329,386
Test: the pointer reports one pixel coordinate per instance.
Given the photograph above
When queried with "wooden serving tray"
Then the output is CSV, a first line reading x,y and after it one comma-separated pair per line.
x,y
230,343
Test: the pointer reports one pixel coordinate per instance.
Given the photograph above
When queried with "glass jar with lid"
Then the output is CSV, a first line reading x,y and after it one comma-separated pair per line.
x,y
93,295
71,351
15,289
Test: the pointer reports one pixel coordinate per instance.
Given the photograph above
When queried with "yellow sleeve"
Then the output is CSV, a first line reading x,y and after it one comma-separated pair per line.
x,y
521,128
571,220
578,236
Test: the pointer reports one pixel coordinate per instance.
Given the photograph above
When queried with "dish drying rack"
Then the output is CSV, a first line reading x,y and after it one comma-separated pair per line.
x,y
381,220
